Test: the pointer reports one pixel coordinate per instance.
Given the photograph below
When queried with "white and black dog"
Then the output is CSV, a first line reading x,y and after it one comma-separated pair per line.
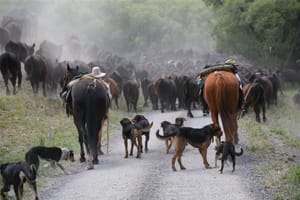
x,y
51,154
17,174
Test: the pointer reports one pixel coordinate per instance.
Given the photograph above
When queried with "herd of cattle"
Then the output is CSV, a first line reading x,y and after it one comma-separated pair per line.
x,y
166,78
163,81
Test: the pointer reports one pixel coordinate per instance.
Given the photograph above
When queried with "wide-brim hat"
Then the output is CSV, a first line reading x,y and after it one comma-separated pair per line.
x,y
96,72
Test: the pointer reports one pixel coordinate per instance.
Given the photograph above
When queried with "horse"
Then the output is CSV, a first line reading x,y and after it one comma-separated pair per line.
x,y
254,96
10,68
89,104
221,92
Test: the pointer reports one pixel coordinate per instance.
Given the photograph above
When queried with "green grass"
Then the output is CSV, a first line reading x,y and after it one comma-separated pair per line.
x,y
271,142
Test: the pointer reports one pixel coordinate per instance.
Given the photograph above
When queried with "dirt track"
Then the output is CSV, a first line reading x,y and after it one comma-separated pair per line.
x,y
151,176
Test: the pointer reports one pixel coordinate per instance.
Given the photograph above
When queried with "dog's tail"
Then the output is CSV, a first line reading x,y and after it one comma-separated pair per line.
x,y
147,129
239,153
32,159
29,172
164,137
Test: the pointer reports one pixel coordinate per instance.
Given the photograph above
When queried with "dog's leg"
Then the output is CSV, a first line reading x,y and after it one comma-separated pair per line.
x,y
173,162
179,161
203,152
61,167
132,144
222,165
4,191
233,161
146,141
34,189
17,190
167,146
126,147
139,145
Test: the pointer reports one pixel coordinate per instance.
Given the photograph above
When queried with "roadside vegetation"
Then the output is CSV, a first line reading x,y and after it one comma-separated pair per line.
x,y
275,146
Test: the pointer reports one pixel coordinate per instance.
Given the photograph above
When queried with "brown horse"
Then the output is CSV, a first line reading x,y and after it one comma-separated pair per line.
x,y
114,89
254,95
221,92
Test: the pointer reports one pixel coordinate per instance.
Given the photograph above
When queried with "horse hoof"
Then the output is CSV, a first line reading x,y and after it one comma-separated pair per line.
x,y
96,162
82,160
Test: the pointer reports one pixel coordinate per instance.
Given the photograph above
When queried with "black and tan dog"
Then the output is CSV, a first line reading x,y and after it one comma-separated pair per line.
x,y
51,154
224,150
140,121
17,174
132,132
166,125
197,137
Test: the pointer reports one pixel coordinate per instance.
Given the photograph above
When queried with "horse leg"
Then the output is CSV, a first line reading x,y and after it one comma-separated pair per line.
x,y
215,119
189,114
116,101
13,82
6,84
264,112
257,111
44,88
19,78
162,103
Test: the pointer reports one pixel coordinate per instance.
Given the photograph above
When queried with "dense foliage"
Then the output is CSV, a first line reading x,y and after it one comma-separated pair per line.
x,y
266,31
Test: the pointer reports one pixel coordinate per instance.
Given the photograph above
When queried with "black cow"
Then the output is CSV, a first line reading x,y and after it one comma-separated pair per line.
x,y
36,69
10,68
153,96
131,94
21,50
191,94
144,84
167,93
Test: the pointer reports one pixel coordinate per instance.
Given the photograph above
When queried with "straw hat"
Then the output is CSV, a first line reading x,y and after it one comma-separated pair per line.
x,y
96,72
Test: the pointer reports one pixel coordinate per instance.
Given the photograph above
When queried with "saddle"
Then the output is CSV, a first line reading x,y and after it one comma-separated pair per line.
x,y
66,93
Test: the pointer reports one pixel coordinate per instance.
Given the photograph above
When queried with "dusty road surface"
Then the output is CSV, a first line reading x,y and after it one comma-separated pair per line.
x,y
151,176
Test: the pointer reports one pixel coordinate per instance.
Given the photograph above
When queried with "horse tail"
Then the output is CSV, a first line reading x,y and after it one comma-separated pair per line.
x,y
221,96
93,119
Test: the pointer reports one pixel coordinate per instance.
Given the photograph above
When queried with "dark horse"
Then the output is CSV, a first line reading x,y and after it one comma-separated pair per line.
x,y
221,92
10,68
89,106
254,96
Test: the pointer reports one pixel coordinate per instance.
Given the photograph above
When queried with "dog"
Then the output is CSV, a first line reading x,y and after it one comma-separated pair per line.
x,y
179,121
132,132
51,154
140,121
17,174
222,152
197,137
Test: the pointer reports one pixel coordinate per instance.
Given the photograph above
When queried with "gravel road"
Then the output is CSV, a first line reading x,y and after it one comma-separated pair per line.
x,y
151,177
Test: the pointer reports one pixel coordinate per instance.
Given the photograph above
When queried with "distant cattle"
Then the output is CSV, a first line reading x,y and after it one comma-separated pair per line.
x,y
144,85
21,50
10,68
50,50
166,90
36,69
131,94
296,98
4,38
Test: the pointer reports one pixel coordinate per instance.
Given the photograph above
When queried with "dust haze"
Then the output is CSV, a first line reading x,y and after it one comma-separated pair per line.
x,y
100,23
